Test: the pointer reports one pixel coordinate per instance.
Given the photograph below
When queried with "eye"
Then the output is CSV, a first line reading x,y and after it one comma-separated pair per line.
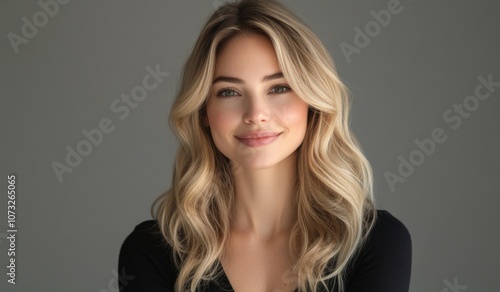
x,y
226,92
281,88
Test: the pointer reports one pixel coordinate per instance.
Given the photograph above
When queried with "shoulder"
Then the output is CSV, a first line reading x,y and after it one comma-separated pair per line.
x,y
145,232
146,260
388,228
146,236
383,261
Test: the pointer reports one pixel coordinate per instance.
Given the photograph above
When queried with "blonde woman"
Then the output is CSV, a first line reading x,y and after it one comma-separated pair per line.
x,y
271,190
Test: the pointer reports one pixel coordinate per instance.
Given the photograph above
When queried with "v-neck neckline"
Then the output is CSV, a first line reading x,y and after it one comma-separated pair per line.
x,y
223,280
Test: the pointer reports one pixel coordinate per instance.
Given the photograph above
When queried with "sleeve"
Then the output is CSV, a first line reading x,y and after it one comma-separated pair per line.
x,y
383,263
145,261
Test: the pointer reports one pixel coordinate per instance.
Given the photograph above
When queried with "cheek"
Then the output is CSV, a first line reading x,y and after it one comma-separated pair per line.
x,y
295,113
220,120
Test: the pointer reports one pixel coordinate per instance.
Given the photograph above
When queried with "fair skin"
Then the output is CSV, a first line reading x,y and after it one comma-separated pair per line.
x,y
257,100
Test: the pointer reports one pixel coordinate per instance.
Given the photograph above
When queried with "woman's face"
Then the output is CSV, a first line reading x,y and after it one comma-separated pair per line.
x,y
255,119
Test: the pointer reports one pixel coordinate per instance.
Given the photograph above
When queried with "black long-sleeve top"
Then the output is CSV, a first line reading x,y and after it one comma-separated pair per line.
x,y
383,264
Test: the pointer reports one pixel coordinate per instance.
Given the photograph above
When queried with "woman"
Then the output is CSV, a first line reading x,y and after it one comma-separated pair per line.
x,y
271,190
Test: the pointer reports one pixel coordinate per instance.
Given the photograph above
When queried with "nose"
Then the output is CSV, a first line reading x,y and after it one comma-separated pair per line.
x,y
256,110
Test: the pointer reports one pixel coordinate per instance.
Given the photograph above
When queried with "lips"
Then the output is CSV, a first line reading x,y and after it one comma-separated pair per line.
x,y
255,139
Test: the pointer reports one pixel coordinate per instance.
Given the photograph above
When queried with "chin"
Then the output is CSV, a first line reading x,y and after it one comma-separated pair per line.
x,y
259,163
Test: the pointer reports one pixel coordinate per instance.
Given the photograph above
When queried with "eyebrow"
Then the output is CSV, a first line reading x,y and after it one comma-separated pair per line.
x,y
238,80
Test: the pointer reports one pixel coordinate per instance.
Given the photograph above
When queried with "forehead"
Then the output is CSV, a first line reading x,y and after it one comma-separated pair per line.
x,y
246,54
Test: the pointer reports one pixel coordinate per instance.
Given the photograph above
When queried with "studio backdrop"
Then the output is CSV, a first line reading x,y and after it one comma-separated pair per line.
x,y
86,88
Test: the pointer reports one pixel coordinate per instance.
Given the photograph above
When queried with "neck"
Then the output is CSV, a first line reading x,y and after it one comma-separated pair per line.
x,y
265,200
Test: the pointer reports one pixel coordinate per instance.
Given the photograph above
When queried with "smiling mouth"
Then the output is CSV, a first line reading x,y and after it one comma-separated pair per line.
x,y
256,140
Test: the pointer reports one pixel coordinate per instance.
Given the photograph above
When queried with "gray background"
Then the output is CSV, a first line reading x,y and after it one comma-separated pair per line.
x,y
427,59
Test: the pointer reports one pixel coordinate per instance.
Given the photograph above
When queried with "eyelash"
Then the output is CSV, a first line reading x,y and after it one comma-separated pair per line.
x,y
287,89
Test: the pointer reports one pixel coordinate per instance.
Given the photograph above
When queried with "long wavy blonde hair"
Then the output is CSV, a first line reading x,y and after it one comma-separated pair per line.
x,y
335,207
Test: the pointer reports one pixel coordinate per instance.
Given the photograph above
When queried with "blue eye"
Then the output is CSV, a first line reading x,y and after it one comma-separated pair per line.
x,y
279,89
226,92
